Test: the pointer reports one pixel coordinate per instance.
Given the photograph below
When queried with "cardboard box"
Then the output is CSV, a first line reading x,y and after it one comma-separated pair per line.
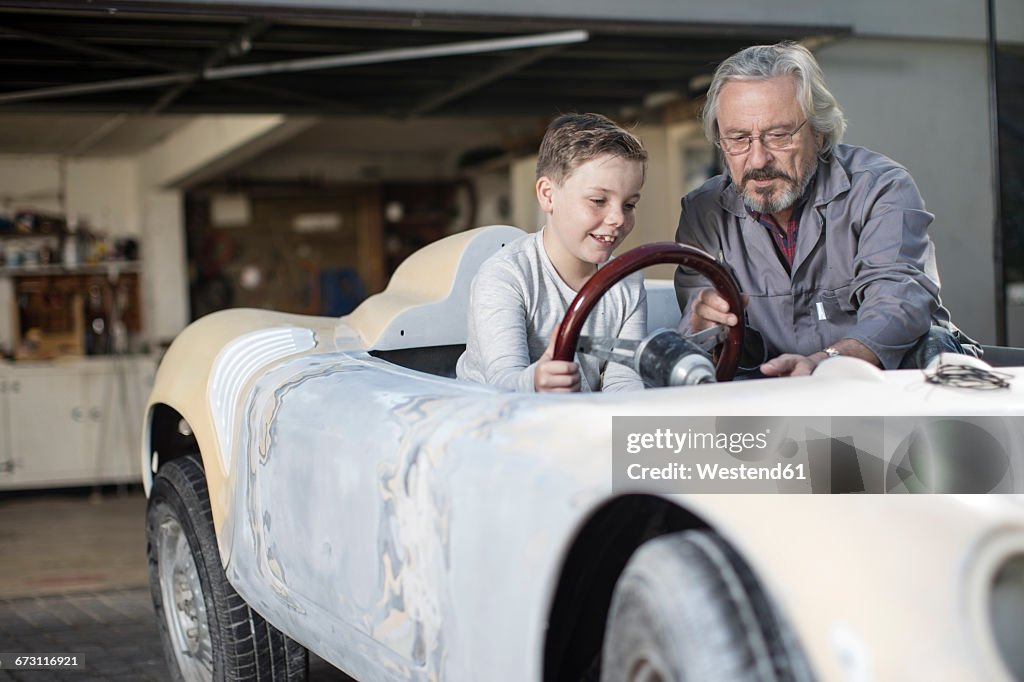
x,y
37,344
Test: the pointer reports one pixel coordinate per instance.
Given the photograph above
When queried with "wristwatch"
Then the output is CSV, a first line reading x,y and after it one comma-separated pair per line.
x,y
831,352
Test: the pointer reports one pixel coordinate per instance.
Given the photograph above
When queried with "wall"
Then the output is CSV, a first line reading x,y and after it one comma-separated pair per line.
x,y
30,181
102,193
99,191
493,197
658,210
924,104
165,270
526,215
7,322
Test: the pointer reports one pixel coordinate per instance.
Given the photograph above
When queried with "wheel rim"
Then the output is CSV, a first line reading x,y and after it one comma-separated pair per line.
x,y
184,605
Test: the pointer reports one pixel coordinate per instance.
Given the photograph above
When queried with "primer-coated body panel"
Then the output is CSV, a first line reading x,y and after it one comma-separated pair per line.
x,y
429,520
409,527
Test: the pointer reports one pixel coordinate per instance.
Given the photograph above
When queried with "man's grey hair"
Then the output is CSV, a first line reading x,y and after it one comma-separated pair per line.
x,y
764,62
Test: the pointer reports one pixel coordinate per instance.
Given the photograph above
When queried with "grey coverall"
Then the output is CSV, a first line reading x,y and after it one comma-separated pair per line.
x,y
864,266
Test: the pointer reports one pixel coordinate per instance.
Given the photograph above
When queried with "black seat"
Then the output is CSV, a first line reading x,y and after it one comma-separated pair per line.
x,y
437,360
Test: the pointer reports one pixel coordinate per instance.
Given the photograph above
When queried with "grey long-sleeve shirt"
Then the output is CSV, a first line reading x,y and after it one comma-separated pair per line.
x,y
517,301
864,267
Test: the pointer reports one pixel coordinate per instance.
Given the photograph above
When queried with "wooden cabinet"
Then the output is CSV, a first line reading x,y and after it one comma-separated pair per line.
x,y
74,311
73,422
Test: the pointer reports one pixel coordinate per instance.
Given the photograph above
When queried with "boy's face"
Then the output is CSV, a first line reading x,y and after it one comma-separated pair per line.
x,y
593,210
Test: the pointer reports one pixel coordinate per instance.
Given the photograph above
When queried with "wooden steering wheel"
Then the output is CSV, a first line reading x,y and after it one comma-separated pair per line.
x,y
568,334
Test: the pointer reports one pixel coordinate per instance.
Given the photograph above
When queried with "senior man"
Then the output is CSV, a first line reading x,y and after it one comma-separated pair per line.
x,y
828,242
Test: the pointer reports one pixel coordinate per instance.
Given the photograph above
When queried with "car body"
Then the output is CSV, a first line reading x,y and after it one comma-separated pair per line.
x,y
409,526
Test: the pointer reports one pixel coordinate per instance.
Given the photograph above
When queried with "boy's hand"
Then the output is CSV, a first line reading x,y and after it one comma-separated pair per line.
x,y
555,376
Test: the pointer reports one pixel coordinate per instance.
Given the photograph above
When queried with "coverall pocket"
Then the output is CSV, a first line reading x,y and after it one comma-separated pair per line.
x,y
835,305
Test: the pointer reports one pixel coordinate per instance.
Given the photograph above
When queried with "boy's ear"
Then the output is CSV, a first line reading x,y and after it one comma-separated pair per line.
x,y
545,189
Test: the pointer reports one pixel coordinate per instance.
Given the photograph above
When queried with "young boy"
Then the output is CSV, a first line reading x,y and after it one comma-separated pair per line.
x,y
589,175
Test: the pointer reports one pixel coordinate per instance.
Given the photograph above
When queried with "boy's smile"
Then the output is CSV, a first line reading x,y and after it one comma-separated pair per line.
x,y
589,214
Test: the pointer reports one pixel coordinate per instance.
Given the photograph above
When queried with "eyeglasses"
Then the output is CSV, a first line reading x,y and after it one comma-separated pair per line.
x,y
774,140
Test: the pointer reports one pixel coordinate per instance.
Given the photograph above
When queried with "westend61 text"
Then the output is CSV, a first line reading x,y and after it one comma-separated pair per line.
x,y
717,472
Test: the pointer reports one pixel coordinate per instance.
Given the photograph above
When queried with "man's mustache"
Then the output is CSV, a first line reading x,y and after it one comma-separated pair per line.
x,y
766,174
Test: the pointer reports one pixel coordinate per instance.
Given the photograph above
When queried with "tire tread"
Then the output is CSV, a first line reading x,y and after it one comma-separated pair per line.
x,y
689,606
246,647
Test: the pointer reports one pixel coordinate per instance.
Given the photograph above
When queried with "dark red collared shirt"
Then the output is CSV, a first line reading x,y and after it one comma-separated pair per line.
x,y
784,238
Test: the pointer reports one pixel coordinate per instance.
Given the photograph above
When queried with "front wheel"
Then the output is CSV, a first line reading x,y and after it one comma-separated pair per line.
x,y
686,609
208,631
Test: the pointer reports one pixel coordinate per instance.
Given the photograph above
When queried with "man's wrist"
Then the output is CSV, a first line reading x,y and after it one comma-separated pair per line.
x,y
822,355
831,352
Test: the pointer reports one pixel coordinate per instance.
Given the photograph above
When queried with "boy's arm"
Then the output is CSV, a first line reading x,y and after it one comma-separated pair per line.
x,y
497,334
618,377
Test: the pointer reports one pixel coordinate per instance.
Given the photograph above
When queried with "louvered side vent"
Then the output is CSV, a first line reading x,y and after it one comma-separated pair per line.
x,y
237,363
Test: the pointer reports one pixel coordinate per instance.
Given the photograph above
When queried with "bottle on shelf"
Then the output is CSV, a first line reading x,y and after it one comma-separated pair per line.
x,y
70,253
97,326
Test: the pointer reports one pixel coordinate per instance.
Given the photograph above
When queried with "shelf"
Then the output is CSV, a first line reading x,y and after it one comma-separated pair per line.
x,y
107,267
31,236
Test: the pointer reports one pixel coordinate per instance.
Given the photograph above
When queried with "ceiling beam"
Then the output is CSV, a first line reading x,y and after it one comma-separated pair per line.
x,y
175,74
335,61
89,88
471,84
400,54
80,47
240,43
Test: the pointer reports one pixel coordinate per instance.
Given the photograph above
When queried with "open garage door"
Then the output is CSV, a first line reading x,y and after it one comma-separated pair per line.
x,y
313,58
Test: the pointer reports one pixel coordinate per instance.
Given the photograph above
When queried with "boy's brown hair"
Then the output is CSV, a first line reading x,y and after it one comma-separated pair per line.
x,y
573,139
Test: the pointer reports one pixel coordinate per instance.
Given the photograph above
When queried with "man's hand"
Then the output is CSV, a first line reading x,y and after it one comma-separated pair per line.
x,y
555,376
709,309
791,365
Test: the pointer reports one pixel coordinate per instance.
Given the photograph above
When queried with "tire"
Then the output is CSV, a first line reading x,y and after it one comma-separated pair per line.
x,y
686,609
208,631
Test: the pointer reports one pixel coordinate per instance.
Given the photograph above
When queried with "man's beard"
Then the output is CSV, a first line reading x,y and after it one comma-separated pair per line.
x,y
763,200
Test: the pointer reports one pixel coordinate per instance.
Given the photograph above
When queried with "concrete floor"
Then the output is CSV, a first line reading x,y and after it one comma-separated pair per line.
x,y
73,579
54,543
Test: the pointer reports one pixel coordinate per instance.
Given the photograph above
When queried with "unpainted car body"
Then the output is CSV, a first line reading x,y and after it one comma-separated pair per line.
x,y
409,526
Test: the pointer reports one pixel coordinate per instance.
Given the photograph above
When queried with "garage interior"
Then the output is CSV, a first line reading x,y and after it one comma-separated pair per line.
x,y
162,160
